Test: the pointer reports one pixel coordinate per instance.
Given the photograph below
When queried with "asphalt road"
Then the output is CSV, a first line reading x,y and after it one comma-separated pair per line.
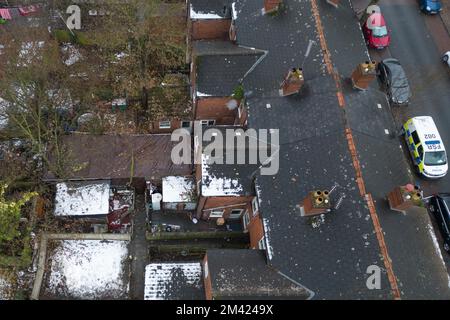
x,y
418,42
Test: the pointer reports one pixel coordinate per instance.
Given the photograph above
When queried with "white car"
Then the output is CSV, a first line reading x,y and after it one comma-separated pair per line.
x,y
446,58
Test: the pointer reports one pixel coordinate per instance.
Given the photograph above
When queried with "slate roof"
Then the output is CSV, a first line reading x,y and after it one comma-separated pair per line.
x,y
174,281
111,156
224,179
243,274
218,75
220,47
330,253
213,8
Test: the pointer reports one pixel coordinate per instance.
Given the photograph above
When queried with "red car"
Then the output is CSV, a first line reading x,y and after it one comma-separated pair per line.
x,y
376,32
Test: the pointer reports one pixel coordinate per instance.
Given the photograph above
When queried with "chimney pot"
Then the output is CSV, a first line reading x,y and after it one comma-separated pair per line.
x,y
271,6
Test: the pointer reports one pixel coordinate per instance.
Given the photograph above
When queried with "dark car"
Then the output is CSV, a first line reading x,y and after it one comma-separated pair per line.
x,y
393,78
439,206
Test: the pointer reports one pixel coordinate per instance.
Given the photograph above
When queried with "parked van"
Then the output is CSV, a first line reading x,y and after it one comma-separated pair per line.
x,y
426,147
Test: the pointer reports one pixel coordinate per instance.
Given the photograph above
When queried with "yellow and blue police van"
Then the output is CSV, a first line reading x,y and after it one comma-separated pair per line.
x,y
426,147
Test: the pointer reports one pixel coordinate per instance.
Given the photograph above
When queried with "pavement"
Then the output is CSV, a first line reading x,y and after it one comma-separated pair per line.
x,y
139,250
445,14
417,41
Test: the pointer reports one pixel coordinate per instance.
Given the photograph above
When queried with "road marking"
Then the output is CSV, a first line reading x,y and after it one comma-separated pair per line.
x,y
354,154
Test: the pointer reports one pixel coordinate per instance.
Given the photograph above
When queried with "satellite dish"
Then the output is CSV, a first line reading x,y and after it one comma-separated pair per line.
x,y
232,104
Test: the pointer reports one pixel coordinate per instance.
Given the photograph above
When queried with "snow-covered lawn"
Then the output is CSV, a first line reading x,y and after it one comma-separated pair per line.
x,y
88,269
6,286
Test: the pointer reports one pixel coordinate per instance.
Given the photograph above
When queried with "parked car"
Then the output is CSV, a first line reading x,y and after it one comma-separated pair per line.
x,y
439,206
426,147
393,78
376,32
446,58
430,6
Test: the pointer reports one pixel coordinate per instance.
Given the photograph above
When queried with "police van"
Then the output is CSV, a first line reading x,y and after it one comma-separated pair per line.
x,y
426,147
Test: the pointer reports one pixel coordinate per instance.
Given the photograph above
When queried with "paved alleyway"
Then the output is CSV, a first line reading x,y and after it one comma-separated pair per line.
x,y
139,251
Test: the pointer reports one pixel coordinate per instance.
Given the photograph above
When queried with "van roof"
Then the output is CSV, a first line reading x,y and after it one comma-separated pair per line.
x,y
425,126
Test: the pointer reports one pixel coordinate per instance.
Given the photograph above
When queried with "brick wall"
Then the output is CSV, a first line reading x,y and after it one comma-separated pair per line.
x,y
206,204
210,29
255,230
174,124
215,109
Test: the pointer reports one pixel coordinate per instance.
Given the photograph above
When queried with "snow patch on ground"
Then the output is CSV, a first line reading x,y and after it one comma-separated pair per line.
x,y
4,119
5,288
89,269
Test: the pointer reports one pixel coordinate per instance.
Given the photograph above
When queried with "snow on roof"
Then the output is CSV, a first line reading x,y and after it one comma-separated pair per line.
x,y
218,186
203,15
178,189
88,269
159,278
234,11
119,102
79,199
266,236
201,94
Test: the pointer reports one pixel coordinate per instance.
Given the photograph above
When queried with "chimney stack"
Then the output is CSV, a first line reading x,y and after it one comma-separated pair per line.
x,y
403,198
315,203
364,74
271,6
292,83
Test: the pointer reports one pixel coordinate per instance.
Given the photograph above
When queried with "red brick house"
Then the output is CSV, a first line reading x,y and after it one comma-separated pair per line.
x,y
209,19
224,190
217,70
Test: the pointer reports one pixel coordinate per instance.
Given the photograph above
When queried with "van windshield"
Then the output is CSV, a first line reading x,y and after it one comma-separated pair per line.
x,y
435,158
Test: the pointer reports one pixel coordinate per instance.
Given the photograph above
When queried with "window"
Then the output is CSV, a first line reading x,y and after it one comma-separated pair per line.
x,y
420,151
164,125
208,122
216,214
186,124
435,158
262,243
246,219
235,213
415,137
255,207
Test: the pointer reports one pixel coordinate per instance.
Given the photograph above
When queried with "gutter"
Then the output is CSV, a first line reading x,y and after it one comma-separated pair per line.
x,y
311,293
